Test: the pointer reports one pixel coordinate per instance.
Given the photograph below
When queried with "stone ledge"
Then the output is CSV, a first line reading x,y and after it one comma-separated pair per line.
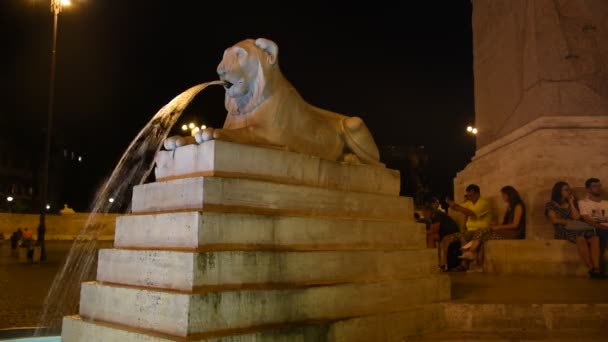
x,y
220,271
534,257
257,197
182,314
225,159
227,231
526,317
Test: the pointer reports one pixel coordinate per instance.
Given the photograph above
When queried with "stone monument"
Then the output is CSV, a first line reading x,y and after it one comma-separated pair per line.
x,y
251,235
541,100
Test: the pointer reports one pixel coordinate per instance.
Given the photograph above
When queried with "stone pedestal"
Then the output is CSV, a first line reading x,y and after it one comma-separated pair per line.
x,y
241,243
541,100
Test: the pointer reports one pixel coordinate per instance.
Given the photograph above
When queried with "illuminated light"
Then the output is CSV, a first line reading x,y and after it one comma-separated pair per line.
x,y
80,158
474,131
203,127
48,207
191,125
470,129
10,198
196,129
66,2
111,200
184,127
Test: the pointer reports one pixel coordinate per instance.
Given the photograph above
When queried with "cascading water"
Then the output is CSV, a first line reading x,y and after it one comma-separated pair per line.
x,y
133,168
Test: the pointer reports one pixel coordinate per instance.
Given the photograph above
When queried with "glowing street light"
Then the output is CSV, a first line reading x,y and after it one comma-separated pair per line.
x,y
474,131
470,129
204,127
111,200
48,207
56,7
9,198
191,125
184,127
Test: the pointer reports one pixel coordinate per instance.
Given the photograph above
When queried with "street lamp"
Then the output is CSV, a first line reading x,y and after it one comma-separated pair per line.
x,y
56,7
9,199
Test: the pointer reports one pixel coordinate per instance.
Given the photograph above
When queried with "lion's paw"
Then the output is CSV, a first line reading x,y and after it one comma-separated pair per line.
x,y
176,141
204,135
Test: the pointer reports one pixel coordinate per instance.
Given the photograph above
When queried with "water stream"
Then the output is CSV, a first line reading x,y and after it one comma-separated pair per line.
x,y
133,168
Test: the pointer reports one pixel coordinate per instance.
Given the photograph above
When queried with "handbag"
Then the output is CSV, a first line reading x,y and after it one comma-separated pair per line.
x,y
578,226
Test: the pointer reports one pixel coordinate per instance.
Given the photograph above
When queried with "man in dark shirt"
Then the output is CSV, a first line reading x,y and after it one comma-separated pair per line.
x,y
438,226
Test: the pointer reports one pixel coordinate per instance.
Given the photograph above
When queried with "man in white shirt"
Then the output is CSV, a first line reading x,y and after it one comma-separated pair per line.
x,y
594,210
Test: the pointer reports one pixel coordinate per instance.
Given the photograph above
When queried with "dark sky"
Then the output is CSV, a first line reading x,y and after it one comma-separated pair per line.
x,y
406,68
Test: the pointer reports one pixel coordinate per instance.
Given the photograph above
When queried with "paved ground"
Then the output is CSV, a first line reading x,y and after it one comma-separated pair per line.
x,y
23,287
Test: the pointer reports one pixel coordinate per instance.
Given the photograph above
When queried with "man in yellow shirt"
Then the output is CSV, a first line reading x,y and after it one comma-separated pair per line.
x,y
477,209
479,217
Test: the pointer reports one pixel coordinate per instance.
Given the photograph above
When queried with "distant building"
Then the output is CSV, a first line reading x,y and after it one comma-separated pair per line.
x,y
17,179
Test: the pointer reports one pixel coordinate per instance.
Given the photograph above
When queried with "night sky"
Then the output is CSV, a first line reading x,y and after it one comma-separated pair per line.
x,y
406,69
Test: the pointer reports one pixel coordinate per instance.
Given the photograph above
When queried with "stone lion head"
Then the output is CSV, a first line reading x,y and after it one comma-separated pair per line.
x,y
246,68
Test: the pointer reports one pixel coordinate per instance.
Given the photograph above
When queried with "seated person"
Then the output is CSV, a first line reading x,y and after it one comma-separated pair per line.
x,y
439,225
594,210
479,217
565,218
26,239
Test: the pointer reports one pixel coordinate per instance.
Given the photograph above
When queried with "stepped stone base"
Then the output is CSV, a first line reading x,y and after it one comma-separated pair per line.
x,y
241,243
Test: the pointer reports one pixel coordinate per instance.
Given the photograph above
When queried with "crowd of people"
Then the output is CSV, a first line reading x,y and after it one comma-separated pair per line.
x,y
582,222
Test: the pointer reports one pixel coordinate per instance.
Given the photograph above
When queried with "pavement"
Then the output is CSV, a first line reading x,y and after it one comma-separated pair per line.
x,y
23,287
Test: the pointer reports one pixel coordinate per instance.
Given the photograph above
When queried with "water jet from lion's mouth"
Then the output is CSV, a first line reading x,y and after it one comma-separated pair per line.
x,y
133,168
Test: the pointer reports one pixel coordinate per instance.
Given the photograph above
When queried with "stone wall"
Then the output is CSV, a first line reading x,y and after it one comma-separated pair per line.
x,y
535,157
535,58
59,227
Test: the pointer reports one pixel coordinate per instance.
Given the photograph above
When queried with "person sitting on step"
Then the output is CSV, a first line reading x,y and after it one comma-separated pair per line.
x,y
479,217
439,225
565,217
594,211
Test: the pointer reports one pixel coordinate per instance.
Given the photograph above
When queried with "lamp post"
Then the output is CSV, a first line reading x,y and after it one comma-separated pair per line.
x,y
56,7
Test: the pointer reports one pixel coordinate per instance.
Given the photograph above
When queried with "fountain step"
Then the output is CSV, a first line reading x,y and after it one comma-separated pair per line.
x,y
227,231
184,314
213,271
259,197
225,159
392,327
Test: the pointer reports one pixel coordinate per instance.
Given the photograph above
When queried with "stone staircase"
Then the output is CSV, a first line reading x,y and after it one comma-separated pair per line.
x,y
242,243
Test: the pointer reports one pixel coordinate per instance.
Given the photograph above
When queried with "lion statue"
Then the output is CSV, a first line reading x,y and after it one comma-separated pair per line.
x,y
265,109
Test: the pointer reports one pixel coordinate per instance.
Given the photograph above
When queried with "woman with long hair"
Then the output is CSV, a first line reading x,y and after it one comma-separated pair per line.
x,y
514,222
565,217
